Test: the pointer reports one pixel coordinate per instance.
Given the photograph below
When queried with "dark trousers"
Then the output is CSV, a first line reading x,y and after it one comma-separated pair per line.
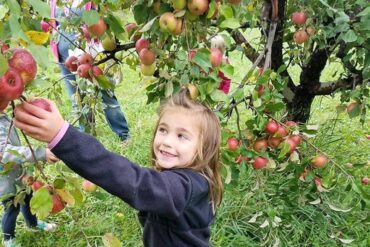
x,y
11,213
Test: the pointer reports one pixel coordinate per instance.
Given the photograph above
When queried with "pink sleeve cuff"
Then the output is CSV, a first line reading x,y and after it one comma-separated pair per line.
x,y
59,136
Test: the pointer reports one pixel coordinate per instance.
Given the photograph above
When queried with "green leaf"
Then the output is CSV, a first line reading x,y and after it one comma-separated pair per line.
x,y
104,82
14,7
39,54
114,24
230,23
211,9
201,58
3,11
169,88
141,13
41,7
16,28
228,70
218,96
90,17
3,65
148,25
41,203
109,240
349,37
226,11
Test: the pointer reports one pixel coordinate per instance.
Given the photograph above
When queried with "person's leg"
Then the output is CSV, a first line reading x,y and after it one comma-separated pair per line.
x,y
31,220
9,219
114,115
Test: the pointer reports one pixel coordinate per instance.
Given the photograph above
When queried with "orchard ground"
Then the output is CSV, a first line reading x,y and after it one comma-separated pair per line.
x,y
338,218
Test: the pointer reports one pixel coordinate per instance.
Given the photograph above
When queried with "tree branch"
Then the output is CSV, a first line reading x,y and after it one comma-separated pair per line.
x,y
327,88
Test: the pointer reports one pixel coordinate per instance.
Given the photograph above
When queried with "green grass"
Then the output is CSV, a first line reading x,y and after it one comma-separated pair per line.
x,y
302,224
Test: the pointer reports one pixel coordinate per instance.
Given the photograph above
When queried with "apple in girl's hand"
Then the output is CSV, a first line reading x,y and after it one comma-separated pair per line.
x,y
43,104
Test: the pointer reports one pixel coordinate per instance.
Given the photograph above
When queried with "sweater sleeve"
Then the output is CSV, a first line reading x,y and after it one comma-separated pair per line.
x,y
18,154
145,189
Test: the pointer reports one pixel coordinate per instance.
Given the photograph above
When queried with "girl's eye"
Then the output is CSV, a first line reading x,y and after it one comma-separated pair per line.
x,y
183,137
162,130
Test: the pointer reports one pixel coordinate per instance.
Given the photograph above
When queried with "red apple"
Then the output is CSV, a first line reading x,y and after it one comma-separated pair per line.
x,y
43,104
295,138
146,56
319,161
141,44
259,163
299,18
291,124
300,36
71,63
365,181
85,58
58,204
96,71
216,57
260,145
22,61
271,127
281,132
197,7
88,186
274,142
98,29
147,70
232,143
130,29
11,85
292,145
36,185
83,71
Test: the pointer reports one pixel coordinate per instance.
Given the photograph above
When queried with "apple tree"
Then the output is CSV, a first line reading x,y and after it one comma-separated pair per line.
x,y
264,113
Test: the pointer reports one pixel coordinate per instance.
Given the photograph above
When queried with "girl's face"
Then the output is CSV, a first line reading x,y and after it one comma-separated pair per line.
x,y
176,140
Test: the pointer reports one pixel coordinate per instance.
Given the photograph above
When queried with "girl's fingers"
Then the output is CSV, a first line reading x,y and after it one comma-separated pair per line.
x,y
26,128
35,110
25,117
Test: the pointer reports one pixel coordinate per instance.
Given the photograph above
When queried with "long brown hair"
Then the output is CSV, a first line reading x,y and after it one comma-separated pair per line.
x,y
206,160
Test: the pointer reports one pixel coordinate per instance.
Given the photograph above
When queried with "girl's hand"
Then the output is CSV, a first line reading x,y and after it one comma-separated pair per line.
x,y
38,123
50,157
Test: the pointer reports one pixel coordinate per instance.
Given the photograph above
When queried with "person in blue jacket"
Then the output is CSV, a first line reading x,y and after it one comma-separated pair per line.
x,y
176,200
64,42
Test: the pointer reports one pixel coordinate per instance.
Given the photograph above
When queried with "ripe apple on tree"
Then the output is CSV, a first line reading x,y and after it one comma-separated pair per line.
x,y
299,18
23,62
300,36
85,58
83,70
274,142
109,43
36,185
168,22
215,57
147,70
259,162
141,44
97,29
71,63
146,56
271,127
232,143
58,204
11,85
260,145
365,180
178,4
319,161
197,7
96,71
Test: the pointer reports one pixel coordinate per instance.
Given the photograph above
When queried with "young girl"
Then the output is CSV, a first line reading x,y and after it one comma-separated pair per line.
x,y
219,43
177,199
11,151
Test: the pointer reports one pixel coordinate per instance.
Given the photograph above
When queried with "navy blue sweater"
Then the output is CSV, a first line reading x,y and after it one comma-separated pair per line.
x,y
174,207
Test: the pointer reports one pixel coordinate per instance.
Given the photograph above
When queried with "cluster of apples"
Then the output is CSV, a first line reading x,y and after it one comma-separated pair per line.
x,y
22,69
302,35
147,57
58,203
83,66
